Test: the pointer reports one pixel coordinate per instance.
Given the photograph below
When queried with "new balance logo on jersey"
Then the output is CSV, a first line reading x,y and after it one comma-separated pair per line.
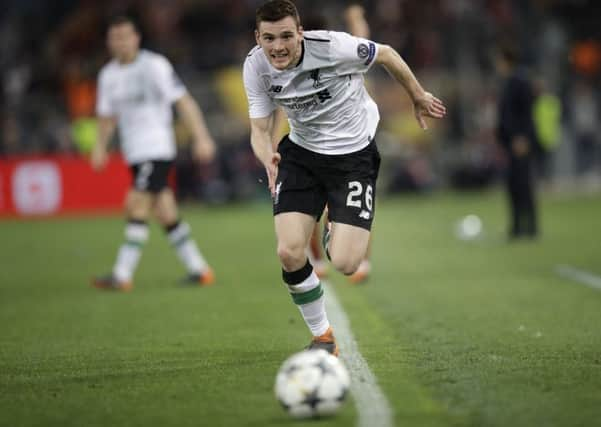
x,y
324,95
275,88
364,214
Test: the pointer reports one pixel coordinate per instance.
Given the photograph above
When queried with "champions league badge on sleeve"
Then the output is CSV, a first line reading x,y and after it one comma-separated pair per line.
x,y
367,52
362,51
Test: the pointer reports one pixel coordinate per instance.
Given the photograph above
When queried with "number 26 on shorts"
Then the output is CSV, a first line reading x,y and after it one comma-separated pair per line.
x,y
354,196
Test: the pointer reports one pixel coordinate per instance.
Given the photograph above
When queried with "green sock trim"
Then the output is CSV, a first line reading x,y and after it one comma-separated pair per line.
x,y
134,244
181,241
307,297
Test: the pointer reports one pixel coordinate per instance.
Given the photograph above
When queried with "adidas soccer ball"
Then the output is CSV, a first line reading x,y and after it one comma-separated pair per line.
x,y
312,383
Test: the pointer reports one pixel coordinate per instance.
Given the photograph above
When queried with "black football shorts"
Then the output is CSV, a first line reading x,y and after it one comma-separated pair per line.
x,y
151,176
307,181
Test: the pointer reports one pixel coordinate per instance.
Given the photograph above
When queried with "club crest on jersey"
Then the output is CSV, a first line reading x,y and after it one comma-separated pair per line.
x,y
316,78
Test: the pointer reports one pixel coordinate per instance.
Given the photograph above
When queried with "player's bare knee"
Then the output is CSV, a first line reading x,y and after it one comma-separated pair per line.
x,y
291,256
165,218
345,264
165,208
139,212
138,206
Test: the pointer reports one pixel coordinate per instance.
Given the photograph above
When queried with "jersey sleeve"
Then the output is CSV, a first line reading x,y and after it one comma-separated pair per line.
x,y
259,103
167,81
352,54
104,107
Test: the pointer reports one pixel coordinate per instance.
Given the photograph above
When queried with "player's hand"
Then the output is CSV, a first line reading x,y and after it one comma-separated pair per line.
x,y
428,106
271,167
354,12
98,157
204,151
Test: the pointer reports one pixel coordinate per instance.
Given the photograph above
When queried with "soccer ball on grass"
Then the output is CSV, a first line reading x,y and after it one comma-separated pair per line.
x,y
312,383
469,228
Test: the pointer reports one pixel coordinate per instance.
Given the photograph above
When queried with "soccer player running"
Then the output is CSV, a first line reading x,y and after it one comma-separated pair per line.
x,y
136,90
357,25
330,155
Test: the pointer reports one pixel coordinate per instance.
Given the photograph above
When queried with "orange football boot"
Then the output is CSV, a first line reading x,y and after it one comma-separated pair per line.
x,y
325,342
111,283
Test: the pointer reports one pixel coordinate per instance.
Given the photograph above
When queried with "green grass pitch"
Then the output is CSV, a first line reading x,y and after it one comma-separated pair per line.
x,y
458,333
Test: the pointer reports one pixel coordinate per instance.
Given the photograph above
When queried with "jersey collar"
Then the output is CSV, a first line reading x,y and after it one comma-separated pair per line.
x,y
300,61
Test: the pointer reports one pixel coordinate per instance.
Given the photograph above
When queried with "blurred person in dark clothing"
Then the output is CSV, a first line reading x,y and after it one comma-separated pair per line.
x,y
517,136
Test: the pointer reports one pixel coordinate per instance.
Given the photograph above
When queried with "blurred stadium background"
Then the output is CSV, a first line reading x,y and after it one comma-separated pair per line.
x,y
50,53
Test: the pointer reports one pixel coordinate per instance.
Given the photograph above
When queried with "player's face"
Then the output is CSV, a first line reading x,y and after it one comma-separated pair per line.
x,y
281,41
123,41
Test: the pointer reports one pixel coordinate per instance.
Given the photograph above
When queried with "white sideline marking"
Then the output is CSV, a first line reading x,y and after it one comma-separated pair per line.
x,y
372,406
580,276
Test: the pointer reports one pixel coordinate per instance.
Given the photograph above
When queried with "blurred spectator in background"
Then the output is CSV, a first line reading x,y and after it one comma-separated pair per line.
x,y
136,91
517,136
584,114
50,53
547,121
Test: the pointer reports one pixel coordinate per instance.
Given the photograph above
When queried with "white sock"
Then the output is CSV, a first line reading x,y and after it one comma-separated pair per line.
x,y
315,316
186,249
314,312
136,234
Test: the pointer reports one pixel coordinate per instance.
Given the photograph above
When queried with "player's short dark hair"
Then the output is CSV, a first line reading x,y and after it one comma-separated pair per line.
x,y
275,10
118,20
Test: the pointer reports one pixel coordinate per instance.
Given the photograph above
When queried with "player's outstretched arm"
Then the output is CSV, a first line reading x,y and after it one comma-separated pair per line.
x,y
203,148
261,130
99,153
424,103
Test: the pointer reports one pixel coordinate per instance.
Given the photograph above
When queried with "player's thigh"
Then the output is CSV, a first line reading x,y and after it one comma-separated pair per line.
x,y
293,231
297,188
348,245
165,207
352,187
138,204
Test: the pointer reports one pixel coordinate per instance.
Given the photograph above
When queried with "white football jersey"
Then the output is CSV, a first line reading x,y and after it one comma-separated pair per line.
x,y
328,107
139,95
